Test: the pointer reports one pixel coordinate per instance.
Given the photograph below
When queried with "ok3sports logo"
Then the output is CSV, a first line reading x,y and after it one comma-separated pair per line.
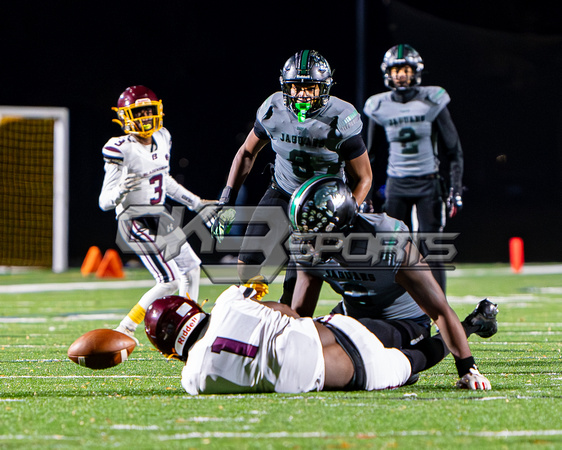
x,y
278,245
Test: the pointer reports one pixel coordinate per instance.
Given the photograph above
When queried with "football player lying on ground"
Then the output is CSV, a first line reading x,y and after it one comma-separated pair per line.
x,y
244,345
333,242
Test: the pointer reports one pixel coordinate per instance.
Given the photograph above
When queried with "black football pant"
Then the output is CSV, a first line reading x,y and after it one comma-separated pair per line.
x,y
412,339
273,196
430,218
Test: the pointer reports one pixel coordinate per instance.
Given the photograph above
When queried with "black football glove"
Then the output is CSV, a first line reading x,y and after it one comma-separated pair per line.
x,y
367,207
454,202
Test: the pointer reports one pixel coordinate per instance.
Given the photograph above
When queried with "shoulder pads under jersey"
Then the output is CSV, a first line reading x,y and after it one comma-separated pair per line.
x,y
165,132
381,222
349,120
274,101
374,102
115,147
435,94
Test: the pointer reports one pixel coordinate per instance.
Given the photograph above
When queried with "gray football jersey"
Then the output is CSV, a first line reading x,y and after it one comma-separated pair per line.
x,y
409,129
306,149
369,287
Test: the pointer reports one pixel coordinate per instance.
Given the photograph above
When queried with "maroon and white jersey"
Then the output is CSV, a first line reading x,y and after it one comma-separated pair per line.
x,y
124,155
249,347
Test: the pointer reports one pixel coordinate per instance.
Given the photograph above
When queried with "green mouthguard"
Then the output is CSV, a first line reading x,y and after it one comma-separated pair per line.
x,y
303,109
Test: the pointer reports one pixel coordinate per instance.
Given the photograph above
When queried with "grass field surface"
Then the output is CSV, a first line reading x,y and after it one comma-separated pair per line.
x,y
48,402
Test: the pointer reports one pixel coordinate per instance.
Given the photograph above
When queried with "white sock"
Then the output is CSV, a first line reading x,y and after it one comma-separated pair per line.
x,y
136,314
189,284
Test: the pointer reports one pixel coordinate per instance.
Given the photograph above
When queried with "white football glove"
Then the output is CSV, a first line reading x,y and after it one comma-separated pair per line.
x,y
206,203
130,183
222,222
474,380
207,211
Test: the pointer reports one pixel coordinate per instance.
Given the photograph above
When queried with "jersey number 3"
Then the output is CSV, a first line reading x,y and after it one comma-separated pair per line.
x,y
156,182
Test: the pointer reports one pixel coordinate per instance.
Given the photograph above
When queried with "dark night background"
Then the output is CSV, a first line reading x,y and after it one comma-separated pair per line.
x,y
213,65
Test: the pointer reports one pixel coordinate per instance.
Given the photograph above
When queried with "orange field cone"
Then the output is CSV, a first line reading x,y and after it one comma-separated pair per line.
x,y
111,265
91,261
516,254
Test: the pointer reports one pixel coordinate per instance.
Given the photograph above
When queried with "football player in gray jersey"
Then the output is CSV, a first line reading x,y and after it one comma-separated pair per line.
x,y
370,261
413,116
311,133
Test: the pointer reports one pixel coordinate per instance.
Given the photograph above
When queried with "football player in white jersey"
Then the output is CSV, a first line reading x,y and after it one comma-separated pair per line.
x,y
311,133
370,261
247,346
413,118
137,167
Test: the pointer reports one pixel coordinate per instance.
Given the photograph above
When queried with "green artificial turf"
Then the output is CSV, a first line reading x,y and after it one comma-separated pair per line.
x,y
47,401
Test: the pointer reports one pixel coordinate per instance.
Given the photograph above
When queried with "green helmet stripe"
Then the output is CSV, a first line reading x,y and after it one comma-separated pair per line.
x,y
295,199
304,61
400,53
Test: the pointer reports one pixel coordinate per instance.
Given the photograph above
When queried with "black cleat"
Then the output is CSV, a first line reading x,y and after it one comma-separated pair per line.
x,y
413,379
483,318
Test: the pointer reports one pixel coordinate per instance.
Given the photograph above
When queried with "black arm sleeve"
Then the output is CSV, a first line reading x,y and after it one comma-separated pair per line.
x,y
352,148
259,131
453,152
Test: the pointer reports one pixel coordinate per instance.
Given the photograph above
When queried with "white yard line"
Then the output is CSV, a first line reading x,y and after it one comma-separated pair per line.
x,y
287,435
314,435
540,269
86,376
88,286
76,286
128,284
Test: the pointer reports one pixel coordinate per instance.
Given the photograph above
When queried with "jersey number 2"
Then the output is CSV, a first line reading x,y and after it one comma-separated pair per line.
x,y
409,140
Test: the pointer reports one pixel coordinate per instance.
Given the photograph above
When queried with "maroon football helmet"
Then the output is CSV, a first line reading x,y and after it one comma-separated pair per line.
x,y
139,111
173,324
